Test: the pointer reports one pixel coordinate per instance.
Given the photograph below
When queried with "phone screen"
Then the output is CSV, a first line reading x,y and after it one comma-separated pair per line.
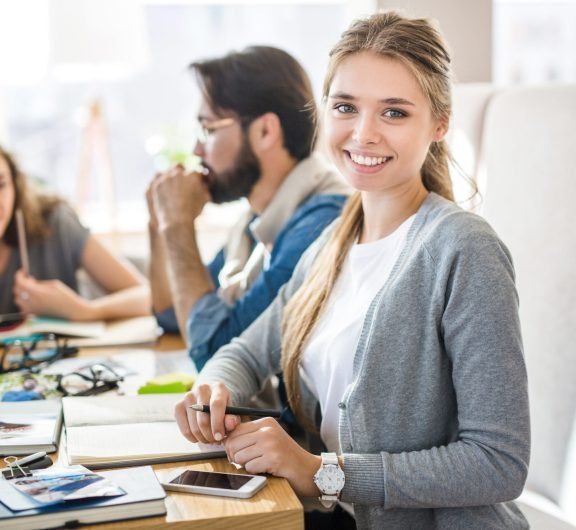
x,y
209,479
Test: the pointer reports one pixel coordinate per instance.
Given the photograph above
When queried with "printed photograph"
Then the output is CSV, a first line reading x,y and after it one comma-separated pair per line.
x,y
60,485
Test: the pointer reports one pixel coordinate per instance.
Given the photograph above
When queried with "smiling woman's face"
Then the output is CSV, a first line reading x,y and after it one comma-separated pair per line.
x,y
379,123
7,196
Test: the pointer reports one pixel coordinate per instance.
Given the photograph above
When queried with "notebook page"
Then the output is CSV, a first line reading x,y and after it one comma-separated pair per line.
x,y
122,443
118,410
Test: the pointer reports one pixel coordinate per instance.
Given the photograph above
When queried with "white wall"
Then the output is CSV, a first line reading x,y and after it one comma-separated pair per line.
x,y
466,24
3,127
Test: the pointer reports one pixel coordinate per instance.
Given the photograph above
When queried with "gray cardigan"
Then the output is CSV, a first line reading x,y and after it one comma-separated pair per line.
x,y
434,429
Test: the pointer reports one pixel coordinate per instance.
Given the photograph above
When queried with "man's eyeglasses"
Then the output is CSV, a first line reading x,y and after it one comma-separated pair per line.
x,y
33,353
207,127
94,379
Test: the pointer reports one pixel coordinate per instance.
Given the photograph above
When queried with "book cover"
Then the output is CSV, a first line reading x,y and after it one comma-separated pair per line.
x,y
144,498
108,431
30,426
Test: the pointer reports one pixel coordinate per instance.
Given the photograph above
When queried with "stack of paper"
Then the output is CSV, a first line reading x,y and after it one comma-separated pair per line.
x,y
110,431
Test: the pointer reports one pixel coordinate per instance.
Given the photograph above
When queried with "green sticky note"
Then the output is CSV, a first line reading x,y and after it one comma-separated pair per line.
x,y
168,384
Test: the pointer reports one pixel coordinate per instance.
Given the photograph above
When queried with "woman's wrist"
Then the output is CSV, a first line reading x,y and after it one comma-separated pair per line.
x,y
88,310
303,479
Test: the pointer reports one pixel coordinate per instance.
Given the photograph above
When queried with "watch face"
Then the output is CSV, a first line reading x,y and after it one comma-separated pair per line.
x,y
330,480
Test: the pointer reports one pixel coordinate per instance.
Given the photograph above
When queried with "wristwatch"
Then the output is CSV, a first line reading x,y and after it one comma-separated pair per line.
x,y
330,479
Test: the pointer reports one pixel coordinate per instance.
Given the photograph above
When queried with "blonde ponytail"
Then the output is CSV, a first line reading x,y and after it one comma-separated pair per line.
x,y
435,171
306,306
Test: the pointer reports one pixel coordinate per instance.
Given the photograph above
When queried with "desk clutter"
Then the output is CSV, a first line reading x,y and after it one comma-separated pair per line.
x,y
74,496
109,430
127,371
110,409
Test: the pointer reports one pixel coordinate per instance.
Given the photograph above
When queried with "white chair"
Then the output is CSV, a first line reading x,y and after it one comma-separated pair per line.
x,y
529,155
465,138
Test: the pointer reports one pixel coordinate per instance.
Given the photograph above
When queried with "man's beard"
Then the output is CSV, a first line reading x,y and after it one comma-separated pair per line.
x,y
238,182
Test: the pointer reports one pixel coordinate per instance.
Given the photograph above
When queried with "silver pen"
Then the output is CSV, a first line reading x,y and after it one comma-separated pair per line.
x,y
23,461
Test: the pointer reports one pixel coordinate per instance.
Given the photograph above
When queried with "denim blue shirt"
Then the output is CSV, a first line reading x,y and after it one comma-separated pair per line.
x,y
213,322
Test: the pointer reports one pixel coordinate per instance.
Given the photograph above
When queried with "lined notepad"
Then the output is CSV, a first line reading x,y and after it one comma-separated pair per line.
x,y
108,431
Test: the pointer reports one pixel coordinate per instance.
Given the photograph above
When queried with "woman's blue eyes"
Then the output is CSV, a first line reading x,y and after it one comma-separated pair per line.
x,y
393,113
346,108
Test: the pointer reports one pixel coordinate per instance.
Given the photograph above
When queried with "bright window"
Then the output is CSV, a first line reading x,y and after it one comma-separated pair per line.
x,y
154,108
534,41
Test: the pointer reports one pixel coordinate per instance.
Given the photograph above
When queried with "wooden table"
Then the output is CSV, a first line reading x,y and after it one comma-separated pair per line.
x,y
275,507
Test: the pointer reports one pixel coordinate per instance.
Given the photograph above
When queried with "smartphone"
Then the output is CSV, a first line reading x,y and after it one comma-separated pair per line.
x,y
213,483
11,320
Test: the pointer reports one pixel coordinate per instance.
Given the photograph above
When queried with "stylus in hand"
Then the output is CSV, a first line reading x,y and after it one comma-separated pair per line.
x,y
241,411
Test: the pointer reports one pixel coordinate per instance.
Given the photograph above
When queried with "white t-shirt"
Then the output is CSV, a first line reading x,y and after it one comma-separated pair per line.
x,y
328,357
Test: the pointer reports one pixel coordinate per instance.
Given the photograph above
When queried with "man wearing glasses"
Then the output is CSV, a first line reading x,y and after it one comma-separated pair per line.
x,y
256,139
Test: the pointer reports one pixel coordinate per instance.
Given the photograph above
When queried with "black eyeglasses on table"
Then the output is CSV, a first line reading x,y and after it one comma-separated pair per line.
x,y
94,379
34,352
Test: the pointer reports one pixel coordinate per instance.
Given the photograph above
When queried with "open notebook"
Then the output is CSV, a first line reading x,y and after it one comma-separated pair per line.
x,y
137,330
110,431
33,325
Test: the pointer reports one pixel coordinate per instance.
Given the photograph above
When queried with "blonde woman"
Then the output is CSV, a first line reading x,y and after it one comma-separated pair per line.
x,y
58,245
398,335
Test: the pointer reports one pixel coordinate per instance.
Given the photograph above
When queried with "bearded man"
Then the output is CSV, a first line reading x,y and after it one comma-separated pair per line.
x,y
257,131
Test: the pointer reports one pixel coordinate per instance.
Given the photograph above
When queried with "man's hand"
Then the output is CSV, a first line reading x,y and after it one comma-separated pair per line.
x,y
178,197
178,276
153,219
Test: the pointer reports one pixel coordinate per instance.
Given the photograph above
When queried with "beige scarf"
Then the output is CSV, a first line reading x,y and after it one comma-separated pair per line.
x,y
244,262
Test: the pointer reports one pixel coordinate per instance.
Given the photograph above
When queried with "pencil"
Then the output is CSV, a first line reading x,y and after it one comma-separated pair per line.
x,y
241,411
22,246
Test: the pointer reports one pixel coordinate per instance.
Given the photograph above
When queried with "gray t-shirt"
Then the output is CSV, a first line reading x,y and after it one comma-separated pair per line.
x,y
56,258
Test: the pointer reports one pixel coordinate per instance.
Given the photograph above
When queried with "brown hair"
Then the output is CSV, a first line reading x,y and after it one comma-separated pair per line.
x,y
35,206
261,79
420,47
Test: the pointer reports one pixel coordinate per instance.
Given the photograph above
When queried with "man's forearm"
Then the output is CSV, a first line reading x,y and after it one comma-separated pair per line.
x,y
188,277
159,285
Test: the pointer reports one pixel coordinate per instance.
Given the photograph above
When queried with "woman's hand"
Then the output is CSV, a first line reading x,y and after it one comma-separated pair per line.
x,y
49,298
263,446
206,427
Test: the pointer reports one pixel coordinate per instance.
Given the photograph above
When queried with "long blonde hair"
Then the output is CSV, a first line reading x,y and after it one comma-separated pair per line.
x,y
420,47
